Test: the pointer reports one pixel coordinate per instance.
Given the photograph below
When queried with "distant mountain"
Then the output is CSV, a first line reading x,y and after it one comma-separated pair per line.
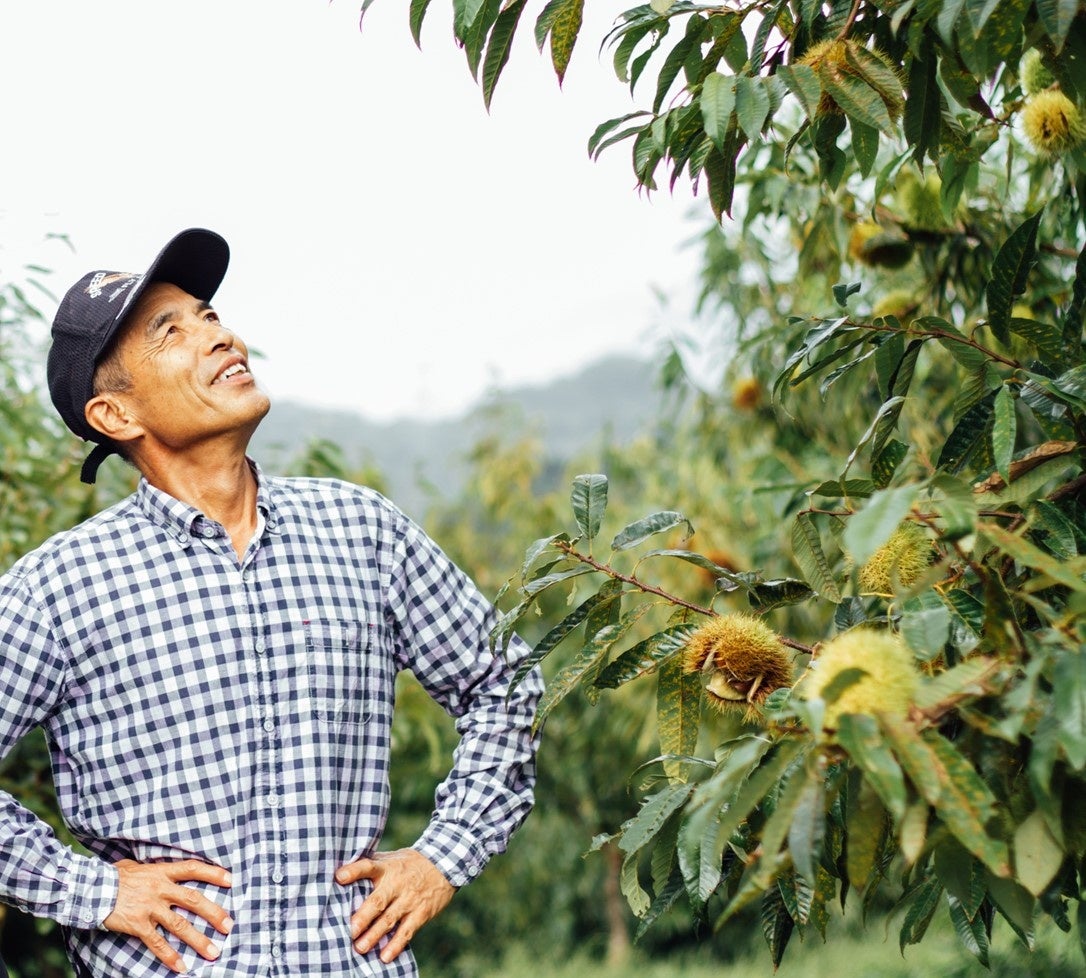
x,y
608,402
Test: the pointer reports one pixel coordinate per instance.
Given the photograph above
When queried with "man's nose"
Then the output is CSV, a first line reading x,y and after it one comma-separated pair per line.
x,y
219,337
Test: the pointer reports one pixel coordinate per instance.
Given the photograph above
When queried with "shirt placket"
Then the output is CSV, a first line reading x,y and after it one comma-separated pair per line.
x,y
267,865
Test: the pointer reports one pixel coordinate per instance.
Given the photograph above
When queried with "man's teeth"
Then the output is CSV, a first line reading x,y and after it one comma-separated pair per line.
x,y
237,368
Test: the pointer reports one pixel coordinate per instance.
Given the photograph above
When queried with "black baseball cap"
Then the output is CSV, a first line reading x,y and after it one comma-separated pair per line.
x,y
93,310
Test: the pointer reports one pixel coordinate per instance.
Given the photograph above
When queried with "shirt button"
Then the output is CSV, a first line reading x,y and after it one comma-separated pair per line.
x,y
88,916
277,876
273,799
183,538
208,532
260,646
276,950
269,725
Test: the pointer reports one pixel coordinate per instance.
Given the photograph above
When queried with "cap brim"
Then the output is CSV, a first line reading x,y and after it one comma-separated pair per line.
x,y
194,260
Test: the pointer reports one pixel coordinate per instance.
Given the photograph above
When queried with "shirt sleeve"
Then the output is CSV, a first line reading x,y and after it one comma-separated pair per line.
x,y
38,874
443,626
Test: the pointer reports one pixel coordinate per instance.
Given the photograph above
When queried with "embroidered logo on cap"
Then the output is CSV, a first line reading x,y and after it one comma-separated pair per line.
x,y
102,280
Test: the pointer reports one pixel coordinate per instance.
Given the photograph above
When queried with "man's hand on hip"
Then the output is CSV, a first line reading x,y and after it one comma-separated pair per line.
x,y
146,898
408,891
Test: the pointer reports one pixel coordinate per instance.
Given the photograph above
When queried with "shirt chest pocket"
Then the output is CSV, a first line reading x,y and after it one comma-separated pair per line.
x,y
340,683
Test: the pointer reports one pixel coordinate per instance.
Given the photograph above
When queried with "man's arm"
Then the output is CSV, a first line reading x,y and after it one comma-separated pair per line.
x,y
45,878
443,626
38,874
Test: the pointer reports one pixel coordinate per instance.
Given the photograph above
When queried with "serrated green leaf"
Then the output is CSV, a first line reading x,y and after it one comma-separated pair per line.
x,y
717,105
1046,337
1069,706
888,356
1004,431
589,501
1018,547
807,831
965,679
631,887
849,488
497,49
923,118
645,656
872,526
808,553
585,666
1057,16
924,903
565,27
886,462
1059,530
675,59
678,713
802,81
767,595
597,141
948,782
956,505
971,932
751,105
1010,271
857,99
866,824
416,15
892,407
955,869
968,435
1038,855
797,894
842,291
777,924
559,633
540,584
926,631
474,34
545,21
978,12
865,145
656,809
465,13
1013,901
860,736
640,530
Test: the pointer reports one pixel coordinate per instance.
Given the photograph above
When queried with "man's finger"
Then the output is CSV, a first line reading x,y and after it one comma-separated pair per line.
x,y
163,950
372,907
190,899
195,869
360,869
183,930
405,931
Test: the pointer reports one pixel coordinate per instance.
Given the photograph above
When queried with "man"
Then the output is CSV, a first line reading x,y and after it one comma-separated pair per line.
x,y
213,659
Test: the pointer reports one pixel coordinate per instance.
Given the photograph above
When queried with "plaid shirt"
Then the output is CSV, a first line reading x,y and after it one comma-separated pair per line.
x,y
241,715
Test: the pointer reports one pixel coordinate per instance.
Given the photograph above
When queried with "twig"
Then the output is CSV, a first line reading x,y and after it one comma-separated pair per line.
x,y
630,579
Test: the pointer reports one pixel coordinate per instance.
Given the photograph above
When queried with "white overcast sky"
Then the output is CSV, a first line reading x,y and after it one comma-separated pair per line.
x,y
395,250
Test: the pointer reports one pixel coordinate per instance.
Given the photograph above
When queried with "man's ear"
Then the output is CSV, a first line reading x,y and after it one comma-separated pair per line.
x,y
109,414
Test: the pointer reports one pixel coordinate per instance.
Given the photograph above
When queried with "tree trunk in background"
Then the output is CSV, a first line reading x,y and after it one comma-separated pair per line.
x,y
618,937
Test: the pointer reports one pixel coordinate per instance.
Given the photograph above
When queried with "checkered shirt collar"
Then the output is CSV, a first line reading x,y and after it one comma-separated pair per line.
x,y
184,521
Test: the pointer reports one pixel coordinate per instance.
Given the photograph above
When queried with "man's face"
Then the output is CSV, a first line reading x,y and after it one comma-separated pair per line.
x,y
190,375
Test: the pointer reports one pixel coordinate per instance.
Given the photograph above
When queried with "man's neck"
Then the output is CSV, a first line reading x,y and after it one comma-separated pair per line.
x,y
220,484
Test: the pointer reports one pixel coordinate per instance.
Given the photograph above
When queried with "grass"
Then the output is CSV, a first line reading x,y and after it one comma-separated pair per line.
x,y
849,953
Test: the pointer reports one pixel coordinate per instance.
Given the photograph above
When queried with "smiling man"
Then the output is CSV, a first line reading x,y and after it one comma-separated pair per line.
x,y
213,661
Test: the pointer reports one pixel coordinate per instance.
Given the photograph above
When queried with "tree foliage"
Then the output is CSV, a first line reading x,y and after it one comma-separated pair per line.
x,y
899,293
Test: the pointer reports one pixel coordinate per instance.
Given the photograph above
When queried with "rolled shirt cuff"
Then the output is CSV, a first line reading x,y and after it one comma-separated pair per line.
x,y
452,850
91,892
